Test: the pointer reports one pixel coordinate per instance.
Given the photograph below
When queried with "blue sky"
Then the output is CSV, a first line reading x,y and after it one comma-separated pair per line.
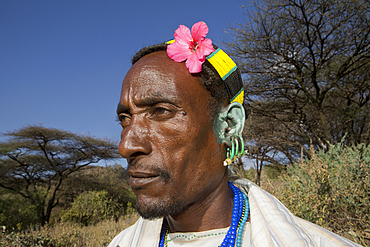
x,y
62,62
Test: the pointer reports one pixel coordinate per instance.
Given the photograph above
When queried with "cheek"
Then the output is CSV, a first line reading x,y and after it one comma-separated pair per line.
x,y
172,134
187,148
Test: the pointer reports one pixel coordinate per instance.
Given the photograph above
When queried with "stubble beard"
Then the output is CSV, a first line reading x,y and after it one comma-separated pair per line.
x,y
162,206
159,208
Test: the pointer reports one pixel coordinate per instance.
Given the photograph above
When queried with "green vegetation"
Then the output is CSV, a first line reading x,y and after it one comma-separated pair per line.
x,y
332,189
15,212
90,207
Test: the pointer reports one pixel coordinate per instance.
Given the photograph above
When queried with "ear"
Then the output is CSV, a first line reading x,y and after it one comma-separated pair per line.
x,y
229,123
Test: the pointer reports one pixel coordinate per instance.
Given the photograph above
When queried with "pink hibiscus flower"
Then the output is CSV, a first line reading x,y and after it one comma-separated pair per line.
x,y
192,47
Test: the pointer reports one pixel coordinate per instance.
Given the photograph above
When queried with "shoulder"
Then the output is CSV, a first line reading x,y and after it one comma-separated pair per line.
x,y
272,224
139,234
124,236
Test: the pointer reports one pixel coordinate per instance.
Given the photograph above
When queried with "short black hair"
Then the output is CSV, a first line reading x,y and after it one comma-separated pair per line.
x,y
210,78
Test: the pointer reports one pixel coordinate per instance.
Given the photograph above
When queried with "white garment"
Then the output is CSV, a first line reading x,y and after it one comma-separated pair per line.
x,y
272,224
210,238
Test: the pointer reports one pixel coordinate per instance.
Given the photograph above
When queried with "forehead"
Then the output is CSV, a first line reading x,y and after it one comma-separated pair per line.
x,y
156,75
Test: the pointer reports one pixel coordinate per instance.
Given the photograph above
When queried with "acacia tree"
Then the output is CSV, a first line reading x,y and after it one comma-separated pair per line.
x,y
36,160
306,67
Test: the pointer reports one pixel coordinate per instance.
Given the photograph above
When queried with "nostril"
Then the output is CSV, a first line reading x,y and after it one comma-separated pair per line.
x,y
136,154
133,156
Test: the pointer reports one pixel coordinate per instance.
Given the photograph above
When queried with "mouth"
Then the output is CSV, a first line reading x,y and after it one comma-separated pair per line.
x,y
141,179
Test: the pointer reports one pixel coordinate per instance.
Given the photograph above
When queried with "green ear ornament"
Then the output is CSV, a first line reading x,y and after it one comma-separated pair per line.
x,y
229,123
228,127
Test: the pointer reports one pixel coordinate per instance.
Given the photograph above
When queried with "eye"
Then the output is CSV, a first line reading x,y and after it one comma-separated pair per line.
x,y
161,113
124,119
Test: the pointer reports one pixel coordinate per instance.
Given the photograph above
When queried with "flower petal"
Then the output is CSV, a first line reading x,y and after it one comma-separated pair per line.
x,y
205,48
194,64
193,47
199,31
182,34
178,51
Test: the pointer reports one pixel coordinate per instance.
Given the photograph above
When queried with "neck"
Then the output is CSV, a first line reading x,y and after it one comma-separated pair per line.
x,y
205,214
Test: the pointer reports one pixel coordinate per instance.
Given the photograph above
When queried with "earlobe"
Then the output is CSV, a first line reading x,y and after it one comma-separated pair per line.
x,y
229,123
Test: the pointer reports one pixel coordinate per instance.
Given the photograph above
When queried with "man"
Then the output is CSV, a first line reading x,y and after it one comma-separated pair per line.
x,y
181,126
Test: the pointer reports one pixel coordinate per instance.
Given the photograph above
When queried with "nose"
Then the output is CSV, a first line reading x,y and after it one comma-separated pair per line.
x,y
135,140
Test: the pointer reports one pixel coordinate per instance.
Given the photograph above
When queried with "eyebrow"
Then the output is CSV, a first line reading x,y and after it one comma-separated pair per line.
x,y
149,101
121,109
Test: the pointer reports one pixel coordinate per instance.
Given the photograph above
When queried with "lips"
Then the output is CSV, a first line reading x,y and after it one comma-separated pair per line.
x,y
141,179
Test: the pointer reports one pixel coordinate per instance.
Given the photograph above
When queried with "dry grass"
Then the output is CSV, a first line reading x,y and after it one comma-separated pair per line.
x,y
63,234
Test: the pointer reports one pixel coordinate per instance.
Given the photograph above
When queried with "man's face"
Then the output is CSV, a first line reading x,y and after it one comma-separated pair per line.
x,y
174,159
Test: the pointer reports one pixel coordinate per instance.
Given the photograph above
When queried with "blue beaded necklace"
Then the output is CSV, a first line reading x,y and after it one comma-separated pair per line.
x,y
238,220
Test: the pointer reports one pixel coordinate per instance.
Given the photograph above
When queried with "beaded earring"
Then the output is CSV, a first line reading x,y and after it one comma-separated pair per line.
x,y
233,153
227,161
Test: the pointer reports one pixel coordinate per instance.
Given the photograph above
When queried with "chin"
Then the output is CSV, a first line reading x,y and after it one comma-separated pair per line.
x,y
155,209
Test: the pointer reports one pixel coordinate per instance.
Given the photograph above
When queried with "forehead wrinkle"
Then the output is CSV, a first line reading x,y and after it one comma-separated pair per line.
x,y
147,91
155,98
147,74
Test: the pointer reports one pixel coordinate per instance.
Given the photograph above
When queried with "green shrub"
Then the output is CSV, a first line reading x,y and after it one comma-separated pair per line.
x,y
332,190
273,171
16,212
91,207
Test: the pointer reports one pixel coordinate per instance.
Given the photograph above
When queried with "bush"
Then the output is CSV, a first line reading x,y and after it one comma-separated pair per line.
x,y
16,212
273,171
332,190
91,207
